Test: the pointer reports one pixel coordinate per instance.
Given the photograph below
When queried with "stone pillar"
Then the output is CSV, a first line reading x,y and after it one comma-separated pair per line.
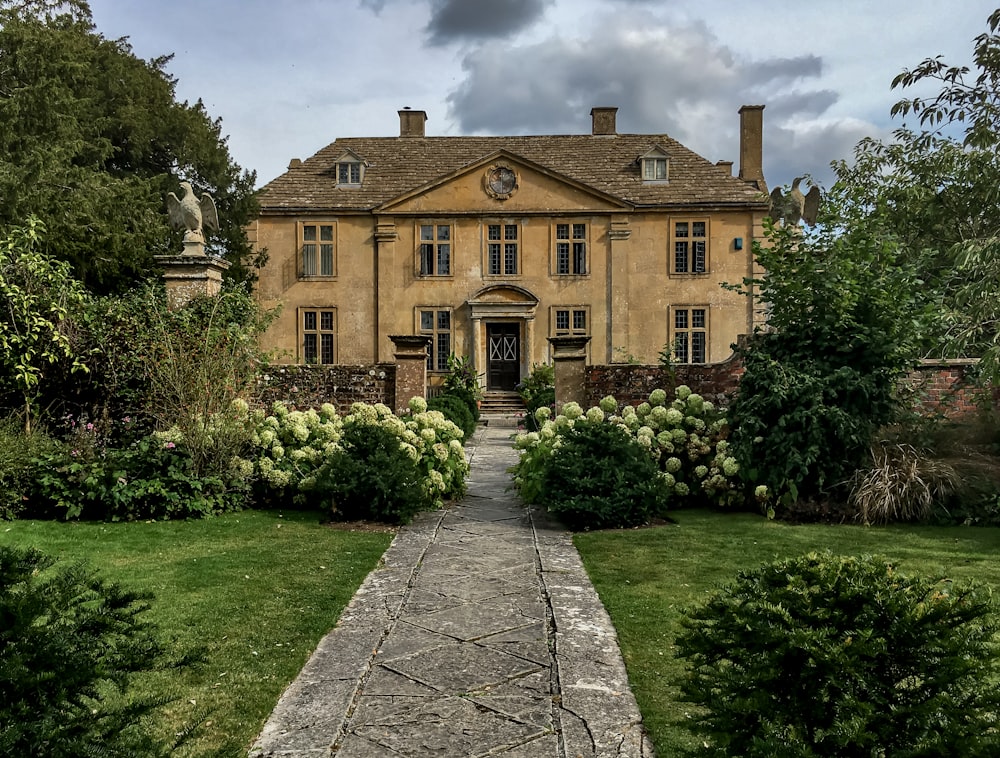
x,y
618,282
410,352
191,274
569,358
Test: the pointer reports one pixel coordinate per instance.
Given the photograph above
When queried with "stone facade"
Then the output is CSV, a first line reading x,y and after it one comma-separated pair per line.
x,y
489,246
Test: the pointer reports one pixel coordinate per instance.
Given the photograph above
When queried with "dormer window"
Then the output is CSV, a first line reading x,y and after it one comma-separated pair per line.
x,y
655,166
350,170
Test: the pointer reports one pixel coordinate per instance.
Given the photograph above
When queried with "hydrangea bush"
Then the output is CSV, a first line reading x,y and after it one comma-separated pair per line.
x,y
294,448
685,435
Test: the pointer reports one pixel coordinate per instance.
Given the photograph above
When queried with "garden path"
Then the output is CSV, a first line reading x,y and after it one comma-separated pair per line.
x,y
479,635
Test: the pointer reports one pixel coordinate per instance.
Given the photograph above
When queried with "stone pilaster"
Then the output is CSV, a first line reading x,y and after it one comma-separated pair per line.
x,y
385,312
410,352
569,358
618,278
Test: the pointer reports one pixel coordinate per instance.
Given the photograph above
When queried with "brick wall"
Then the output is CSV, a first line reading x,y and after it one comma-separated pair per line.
x,y
948,387
311,386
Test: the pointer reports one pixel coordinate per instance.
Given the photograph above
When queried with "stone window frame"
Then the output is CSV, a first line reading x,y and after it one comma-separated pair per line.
x,y
506,247
320,324
685,323
697,260
572,329
312,266
442,337
433,247
570,255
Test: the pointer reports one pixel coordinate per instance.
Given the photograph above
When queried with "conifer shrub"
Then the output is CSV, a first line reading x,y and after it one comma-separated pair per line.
x,y
822,655
70,644
602,478
456,409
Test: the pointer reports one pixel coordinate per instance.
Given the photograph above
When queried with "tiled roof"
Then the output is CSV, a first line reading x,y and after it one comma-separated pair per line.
x,y
606,163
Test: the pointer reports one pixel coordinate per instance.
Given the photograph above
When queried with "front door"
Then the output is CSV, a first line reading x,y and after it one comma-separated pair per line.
x,y
503,354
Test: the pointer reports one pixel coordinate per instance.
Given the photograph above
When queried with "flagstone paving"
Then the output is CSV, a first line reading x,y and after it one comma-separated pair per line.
x,y
479,635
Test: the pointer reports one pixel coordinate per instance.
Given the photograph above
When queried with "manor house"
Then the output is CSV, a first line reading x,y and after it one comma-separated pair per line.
x,y
491,245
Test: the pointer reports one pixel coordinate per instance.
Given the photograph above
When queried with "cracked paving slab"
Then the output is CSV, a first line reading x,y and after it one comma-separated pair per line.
x,y
479,634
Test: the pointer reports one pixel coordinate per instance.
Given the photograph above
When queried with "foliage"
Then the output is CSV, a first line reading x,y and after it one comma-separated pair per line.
x,y
901,484
463,381
846,321
92,139
538,390
830,656
456,409
371,477
292,449
17,451
686,438
70,647
600,477
38,296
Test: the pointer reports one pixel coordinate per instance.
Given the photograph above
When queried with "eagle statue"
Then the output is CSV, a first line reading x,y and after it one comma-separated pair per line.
x,y
795,206
191,213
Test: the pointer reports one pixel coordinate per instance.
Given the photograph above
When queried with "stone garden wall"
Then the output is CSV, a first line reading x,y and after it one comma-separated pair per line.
x,y
311,386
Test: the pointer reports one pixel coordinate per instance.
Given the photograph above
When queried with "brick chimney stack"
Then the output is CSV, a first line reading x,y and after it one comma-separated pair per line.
x,y
752,145
603,121
411,123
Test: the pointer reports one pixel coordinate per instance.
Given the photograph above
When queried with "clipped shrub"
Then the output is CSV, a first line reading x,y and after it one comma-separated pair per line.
x,y
900,484
600,478
371,477
823,655
70,645
456,409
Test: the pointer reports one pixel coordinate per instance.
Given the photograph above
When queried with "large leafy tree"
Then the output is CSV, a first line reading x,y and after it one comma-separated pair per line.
x,y
91,140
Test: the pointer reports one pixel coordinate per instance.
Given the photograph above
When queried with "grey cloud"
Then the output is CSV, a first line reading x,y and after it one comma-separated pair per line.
x,y
463,20
676,79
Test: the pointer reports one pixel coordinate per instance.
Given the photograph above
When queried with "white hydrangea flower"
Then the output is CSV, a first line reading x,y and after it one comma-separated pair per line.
x,y
571,410
730,467
645,431
608,404
682,392
681,489
327,411
543,413
701,471
595,415
418,404
240,405
673,465
657,397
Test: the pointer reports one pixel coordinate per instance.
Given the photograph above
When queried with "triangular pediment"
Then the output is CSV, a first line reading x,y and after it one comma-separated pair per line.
x,y
503,183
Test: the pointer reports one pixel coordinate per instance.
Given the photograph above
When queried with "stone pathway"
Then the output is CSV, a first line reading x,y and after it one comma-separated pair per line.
x,y
479,635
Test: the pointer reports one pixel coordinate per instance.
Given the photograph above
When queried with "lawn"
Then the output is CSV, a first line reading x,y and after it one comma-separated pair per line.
x,y
645,577
256,589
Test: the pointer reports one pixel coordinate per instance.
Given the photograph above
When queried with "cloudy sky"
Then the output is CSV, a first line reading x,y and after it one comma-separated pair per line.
x,y
289,77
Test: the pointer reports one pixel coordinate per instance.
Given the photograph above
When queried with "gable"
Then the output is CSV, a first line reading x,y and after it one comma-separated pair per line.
x,y
502,184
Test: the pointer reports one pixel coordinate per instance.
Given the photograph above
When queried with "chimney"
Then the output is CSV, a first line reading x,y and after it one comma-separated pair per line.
x,y
294,163
411,123
752,146
603,120
726,166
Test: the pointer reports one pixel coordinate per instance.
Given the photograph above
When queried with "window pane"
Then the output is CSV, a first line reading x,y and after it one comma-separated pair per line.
x,y
579,258
698,265
681,229
309,345
309,320
681,257
562,258
309,233
443,350
510,232
426,259
494,262
661,168
562,231
426,320
326,321
680,319
355,173
343,177
427,232
648,169
510,259
444,320
309,260
444,260
493,231
562,320
579,231
698,229
444,232
580,320
326,233
697,347
326,344
681,348
326,260
698,318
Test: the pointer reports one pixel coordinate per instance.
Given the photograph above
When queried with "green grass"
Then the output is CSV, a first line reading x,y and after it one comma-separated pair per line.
x,y
646,577
256,589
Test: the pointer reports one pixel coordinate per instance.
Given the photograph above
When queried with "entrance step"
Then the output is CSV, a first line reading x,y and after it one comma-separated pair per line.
x,y
501,408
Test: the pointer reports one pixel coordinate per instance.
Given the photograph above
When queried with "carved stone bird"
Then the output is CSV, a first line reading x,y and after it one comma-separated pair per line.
x,y
191,214
795,206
